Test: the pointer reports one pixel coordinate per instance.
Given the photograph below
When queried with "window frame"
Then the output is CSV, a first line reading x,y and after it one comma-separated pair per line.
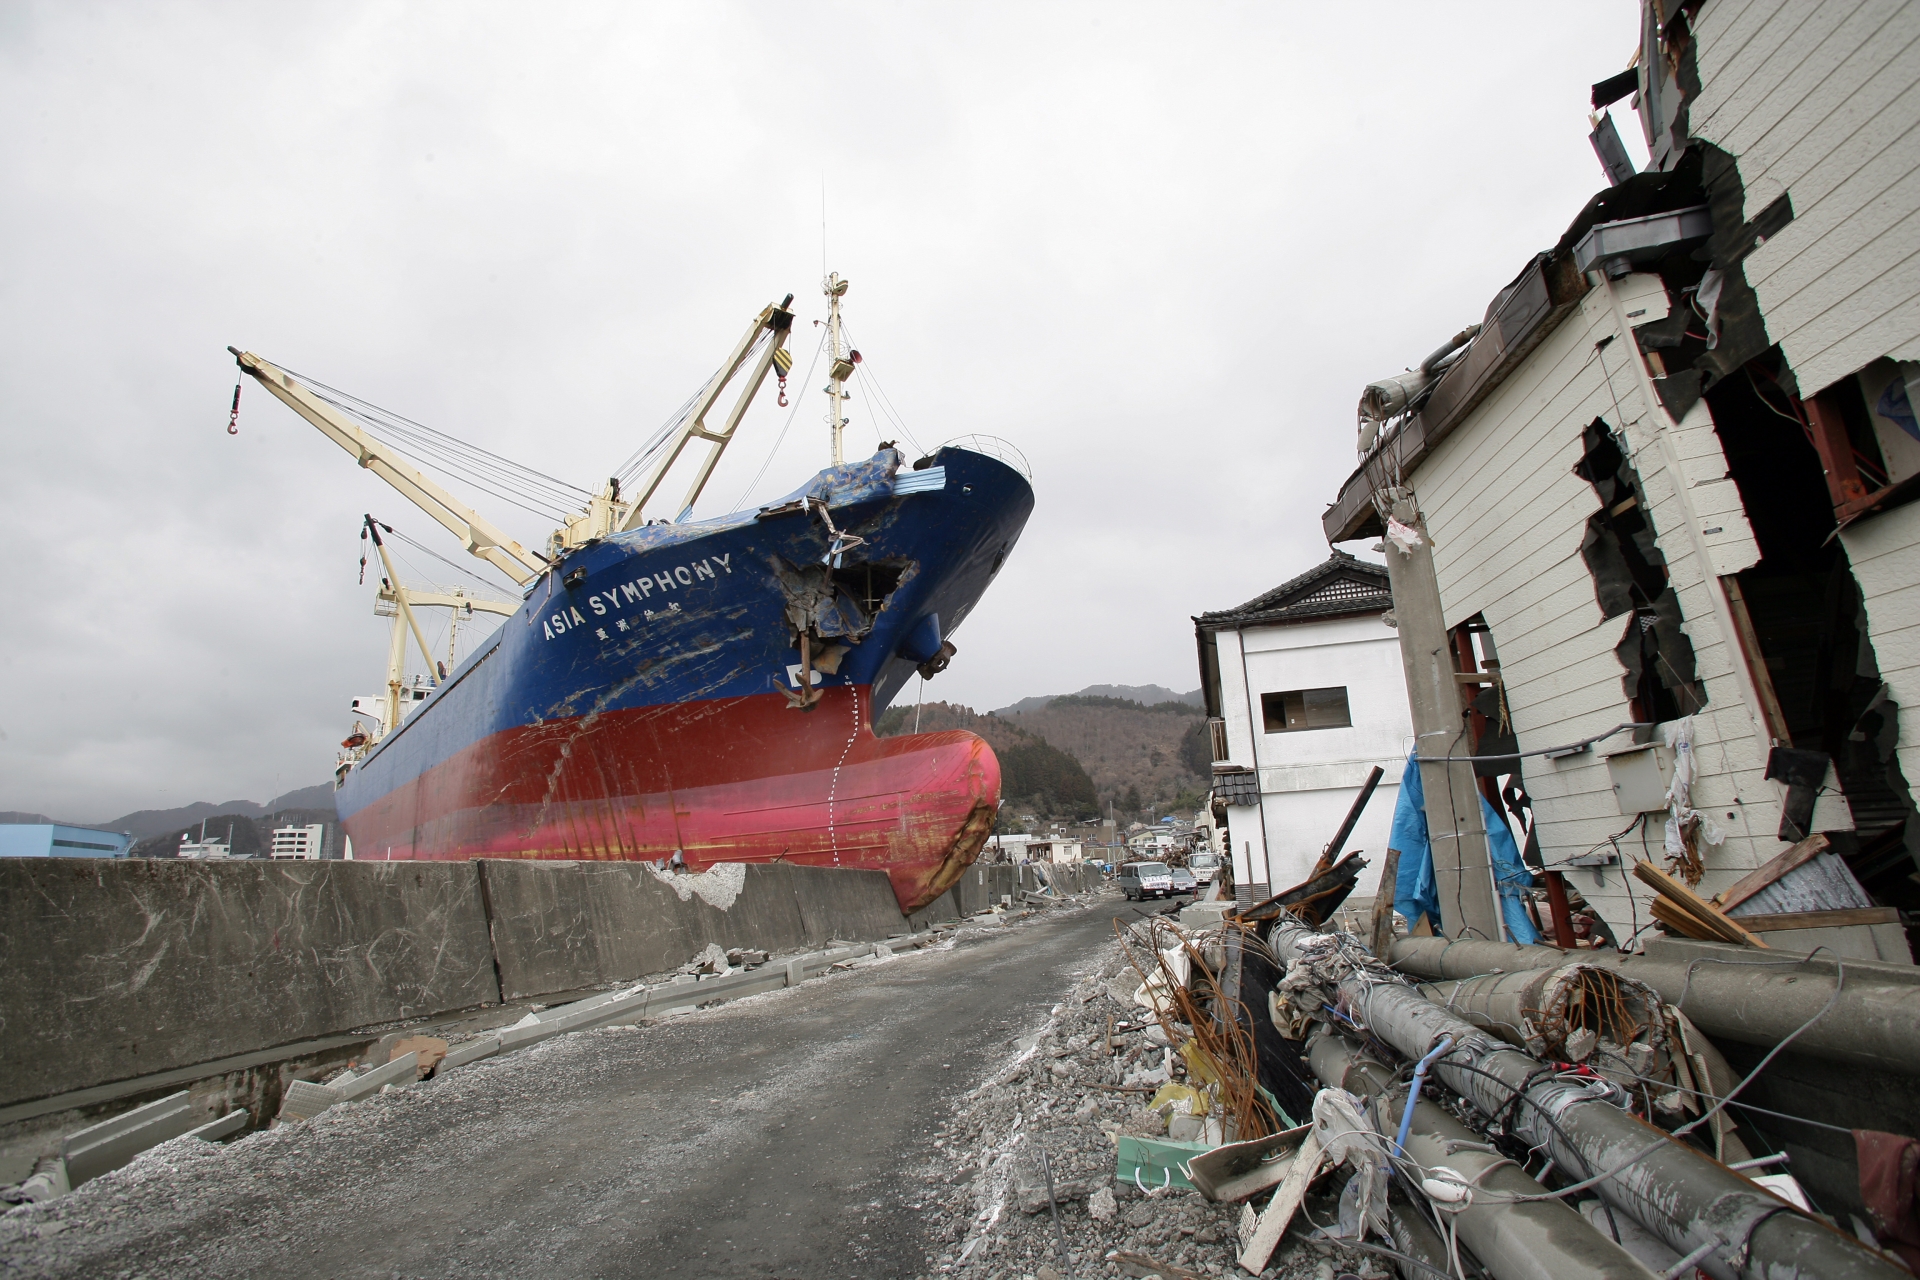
x,y
1267,718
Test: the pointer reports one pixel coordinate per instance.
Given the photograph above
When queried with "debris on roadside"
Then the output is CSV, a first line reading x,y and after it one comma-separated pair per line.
x,y
1095,1091
1244,1094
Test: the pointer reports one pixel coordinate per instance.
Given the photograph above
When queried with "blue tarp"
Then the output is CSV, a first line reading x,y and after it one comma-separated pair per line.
x,y
1414,892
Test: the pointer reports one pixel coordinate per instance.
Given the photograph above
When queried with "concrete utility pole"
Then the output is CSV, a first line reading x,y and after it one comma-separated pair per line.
x,y
1462,864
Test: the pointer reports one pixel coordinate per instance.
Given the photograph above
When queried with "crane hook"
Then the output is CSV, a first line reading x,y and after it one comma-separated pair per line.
x,y
233,419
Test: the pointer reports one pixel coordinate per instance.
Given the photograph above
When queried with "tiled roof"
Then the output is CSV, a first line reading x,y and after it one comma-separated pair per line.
x,y
1340,587
1237,789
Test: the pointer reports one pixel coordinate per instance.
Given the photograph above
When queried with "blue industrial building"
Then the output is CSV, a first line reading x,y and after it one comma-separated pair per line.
x,y
55,840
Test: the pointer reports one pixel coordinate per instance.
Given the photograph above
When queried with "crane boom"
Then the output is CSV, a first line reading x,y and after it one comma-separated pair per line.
x,y
779,321
479,535
447,600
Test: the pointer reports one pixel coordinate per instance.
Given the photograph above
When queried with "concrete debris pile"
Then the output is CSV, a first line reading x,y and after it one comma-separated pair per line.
x,y
1106,1079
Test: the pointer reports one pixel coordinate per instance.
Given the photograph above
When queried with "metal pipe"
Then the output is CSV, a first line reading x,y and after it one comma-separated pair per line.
x,y
1413,1091
1682,1196
1331,854
1735,992
1524,1240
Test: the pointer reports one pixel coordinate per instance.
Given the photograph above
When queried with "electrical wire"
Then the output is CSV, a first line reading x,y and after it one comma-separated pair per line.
x,y
500,477
498,588
1744,1106
1362,1246
741,502
643,457
1695,1123
881,399
1570,748
1518,1096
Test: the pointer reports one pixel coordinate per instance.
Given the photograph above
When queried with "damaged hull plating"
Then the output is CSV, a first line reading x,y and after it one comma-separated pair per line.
x,y
644,700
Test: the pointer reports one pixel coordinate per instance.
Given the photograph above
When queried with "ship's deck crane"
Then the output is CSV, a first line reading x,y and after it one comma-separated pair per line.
x,y
399,601
604,513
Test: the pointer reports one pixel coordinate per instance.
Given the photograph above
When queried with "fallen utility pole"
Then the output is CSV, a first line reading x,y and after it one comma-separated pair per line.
x,y
1462,863
1752,997
1525,1240
1681,1195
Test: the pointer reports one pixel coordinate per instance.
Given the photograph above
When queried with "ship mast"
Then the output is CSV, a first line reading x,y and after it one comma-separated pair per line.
x,y
840,362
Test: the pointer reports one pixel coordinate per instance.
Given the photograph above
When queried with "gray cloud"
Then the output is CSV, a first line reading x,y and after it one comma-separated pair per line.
x,y
1160,248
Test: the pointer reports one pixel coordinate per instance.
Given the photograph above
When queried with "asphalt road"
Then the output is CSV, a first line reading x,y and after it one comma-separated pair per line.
x,y
788,1135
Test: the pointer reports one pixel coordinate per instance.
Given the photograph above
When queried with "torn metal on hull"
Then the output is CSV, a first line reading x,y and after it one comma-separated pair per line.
x,y
641,702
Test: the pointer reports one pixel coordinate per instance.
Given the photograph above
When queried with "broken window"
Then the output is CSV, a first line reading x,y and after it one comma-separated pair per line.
x,y
1305,709
1800,617
1630,577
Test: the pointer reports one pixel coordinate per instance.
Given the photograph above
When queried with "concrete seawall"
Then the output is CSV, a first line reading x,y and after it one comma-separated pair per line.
x,y
123,969
562,926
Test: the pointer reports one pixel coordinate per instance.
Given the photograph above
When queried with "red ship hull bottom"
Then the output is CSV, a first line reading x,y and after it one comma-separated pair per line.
x,y
730,780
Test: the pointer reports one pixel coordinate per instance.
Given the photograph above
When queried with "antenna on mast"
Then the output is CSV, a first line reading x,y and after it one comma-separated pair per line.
x,y
840,363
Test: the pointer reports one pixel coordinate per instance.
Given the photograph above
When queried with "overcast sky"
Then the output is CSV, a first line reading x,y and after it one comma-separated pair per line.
x,y
1160,248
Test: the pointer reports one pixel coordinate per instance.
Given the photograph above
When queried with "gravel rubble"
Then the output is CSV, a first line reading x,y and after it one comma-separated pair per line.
x,y
987,1202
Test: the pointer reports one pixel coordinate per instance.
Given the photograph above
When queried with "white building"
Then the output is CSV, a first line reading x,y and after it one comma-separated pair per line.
x,y
303,843
1055,849
1306,694
1673,474
204,847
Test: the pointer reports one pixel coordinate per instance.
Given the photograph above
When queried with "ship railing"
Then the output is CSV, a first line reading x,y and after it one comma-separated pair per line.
x,y
993,447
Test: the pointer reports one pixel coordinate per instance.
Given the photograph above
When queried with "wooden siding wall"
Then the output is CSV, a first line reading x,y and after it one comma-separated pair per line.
x,y
1507,516
1820,99
1885,551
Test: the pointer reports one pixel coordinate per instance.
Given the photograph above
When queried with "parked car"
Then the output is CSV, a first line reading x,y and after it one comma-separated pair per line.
x,y
1140,880
1183,881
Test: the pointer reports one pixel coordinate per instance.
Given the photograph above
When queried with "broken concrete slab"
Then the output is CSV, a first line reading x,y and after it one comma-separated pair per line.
x,y
404,1069
48,1181
111,1143
224,1127
471,1051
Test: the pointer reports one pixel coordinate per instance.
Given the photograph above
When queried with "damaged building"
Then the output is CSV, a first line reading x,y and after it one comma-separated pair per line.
x,y
1665,487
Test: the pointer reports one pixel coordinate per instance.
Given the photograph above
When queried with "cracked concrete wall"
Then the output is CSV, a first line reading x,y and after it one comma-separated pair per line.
x,y
564,926
120,969
116,969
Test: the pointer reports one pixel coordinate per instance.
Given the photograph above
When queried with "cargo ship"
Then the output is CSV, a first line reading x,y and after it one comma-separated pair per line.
x,y
691,692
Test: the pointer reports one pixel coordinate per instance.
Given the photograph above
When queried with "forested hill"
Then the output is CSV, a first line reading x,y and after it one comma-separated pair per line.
x,y
1135,754
1035,777
1138,754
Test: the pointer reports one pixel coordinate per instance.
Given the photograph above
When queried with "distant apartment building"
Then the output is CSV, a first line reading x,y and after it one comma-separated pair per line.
x,y
1305,696
57,840
305,843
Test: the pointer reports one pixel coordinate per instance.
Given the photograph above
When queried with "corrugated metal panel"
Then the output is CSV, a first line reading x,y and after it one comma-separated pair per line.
x,y
931,480
1824,884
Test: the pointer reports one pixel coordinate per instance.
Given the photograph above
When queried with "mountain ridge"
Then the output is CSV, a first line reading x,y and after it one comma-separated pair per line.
x,y
1145,694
